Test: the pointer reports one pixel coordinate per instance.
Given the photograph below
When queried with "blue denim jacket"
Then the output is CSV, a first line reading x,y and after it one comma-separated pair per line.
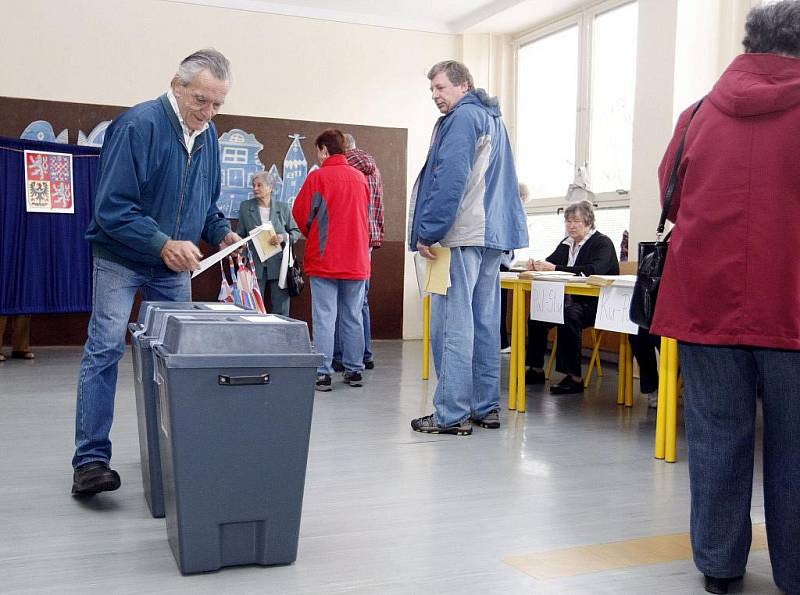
x,y
150,189
467,193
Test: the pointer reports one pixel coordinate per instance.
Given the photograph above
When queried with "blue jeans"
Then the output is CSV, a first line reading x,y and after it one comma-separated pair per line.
x,y
337,344
465,334
114,289
721,384
342,298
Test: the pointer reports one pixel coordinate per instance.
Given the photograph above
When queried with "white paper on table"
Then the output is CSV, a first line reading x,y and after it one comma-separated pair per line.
x,y
224,307
269,318
613,310
547,301
207,263
286,261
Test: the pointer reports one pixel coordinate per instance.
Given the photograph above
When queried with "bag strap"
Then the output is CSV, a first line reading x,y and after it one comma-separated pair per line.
x,y
673,178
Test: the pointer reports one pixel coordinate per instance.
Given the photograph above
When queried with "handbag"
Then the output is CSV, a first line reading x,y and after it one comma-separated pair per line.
x,y
294,274
653,255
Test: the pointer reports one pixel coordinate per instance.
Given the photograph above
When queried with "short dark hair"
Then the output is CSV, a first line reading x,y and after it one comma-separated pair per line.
x,y
773,29
333,140
457,73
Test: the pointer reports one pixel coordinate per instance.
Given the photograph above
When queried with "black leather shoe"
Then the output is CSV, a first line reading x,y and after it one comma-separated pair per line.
x,y
719,585
92,478
567,386
534,377
370,364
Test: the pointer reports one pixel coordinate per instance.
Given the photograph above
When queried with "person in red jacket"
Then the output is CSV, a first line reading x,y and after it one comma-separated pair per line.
x,y
332,211
730,294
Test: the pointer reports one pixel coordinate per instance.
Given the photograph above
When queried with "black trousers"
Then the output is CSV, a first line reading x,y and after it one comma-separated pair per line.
x,y
504,341
579,313
643,346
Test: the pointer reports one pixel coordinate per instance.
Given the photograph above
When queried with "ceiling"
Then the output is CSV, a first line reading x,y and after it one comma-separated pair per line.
x,y
439,16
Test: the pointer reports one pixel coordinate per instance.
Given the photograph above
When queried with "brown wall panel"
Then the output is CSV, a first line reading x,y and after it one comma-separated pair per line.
x,y
387,145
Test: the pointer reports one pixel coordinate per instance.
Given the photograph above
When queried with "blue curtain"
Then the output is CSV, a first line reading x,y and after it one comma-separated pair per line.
x,y
45,264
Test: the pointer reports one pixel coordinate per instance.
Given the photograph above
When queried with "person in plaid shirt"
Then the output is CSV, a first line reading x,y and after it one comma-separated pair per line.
x,y
365,163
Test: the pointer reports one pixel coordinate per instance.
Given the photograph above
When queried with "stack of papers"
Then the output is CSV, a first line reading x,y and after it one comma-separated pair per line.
x,y
551,276
618,280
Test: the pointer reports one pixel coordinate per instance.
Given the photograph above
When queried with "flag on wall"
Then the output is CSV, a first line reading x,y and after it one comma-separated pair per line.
x,y
48,182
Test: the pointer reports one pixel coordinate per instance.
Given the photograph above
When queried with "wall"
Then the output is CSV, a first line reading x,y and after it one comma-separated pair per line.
x,y
114,52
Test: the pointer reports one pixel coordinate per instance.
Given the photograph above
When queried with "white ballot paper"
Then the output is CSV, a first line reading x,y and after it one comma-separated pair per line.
x,y
206,263
547,301
263,242
613,310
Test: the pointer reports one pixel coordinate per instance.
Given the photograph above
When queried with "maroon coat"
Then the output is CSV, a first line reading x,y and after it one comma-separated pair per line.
x,y
732,276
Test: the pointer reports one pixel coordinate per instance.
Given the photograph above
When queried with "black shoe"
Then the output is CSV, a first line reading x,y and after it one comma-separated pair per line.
x,y
337,366
428,425
370,364
490,421
567,386
323,383
534,377
353,378
95,477
719,585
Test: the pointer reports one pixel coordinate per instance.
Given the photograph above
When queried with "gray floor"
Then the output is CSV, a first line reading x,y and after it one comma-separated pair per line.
x,y
386,510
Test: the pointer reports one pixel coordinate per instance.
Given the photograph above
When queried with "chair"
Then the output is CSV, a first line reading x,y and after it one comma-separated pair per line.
x,y
594,360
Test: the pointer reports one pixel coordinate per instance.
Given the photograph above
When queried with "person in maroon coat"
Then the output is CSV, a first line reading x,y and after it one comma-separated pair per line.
x,y
730,294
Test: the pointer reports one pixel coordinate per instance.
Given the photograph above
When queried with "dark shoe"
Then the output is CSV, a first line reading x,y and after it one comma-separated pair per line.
x,y
428,425
534,377
370,364
22,354
92,478
567,386
323,383
490,421
352,378
337,366
719,585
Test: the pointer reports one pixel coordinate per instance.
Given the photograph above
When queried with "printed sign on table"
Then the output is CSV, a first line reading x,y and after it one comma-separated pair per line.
x,y
613,310
547,301
49,182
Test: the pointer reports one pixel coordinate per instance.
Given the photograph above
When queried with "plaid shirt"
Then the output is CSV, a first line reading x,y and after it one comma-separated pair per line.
x,y
365,163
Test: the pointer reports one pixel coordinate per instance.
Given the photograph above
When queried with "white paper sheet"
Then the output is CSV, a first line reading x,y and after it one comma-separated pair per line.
x,y
547,301
613,310
207,263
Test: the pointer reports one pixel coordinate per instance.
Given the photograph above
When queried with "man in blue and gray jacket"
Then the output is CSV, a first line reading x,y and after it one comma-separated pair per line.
x,y
466,198
157,188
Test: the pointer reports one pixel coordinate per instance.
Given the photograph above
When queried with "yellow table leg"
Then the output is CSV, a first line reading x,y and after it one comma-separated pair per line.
x,y
628,374
623,348
426,336
671,430
661,412
520,348
512,365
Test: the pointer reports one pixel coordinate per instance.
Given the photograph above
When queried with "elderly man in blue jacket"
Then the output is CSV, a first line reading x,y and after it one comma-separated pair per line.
x,y
466,198
157,188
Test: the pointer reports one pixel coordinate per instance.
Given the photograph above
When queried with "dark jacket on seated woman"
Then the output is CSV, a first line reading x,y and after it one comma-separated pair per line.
x,y
596,257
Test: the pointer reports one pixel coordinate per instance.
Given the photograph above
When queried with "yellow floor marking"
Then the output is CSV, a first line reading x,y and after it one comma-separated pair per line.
x,y
609,556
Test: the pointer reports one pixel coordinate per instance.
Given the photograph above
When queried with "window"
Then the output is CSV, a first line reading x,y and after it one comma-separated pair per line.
x,y
575,97
234,155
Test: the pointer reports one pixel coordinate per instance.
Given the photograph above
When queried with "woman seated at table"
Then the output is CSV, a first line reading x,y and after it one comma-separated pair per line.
x,y
585,251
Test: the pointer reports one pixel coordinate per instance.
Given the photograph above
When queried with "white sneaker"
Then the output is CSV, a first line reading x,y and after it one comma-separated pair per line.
x,y
652,400
506,349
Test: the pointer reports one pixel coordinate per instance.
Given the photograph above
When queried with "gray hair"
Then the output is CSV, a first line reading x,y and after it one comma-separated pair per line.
x,y
265,177
456,72
206,59
582,209
773,29
349,142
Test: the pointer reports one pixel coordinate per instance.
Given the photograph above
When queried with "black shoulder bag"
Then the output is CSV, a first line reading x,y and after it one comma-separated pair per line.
x,y
294,274
653,255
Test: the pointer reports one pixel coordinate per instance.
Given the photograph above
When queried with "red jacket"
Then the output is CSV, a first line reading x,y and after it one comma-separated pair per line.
x,y
732,276
332,211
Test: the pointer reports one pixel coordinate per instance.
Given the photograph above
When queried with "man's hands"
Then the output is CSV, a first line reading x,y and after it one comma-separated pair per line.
x,y
426,251
181,255
229,239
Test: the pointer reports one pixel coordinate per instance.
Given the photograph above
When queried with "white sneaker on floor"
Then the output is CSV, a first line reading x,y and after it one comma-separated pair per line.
x,y
652,400
506,349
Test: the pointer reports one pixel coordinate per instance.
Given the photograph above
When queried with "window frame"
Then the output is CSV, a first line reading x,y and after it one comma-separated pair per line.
x,y
584,19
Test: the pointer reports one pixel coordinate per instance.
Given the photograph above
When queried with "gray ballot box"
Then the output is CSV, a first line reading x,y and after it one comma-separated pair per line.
x,y
144,332
235,402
